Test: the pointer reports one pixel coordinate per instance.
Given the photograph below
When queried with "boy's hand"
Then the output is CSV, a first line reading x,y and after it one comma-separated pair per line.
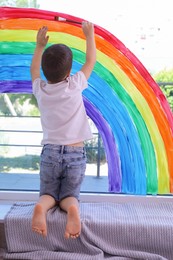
x,y
88,29
42,38
41,42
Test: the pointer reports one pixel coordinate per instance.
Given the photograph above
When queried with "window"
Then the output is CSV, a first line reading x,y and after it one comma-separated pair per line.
x,y
20,131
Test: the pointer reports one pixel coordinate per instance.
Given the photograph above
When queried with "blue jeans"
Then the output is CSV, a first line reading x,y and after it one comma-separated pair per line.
x,y
62,169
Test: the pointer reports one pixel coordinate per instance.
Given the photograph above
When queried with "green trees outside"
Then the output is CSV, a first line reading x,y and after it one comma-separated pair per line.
x,y
18,105
165,80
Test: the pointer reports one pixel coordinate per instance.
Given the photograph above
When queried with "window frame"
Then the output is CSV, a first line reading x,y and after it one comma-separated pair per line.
x,y
9,196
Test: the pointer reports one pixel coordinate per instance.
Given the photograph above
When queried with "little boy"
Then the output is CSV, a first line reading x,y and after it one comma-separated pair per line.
x,y
65,128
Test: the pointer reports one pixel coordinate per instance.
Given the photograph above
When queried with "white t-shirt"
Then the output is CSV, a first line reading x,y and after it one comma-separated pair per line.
x,y
63,116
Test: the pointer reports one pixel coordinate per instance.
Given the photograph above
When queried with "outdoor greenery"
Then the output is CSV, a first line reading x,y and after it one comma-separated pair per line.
x,y
163,77
95,150
25,162
22,104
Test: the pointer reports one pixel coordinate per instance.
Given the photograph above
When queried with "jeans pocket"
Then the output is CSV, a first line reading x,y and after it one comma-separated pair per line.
x,y
75,173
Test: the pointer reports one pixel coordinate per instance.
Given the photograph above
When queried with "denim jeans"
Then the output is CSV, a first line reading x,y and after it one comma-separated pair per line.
x,y
62,169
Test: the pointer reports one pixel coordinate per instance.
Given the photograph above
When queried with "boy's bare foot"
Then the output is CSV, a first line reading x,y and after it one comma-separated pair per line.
x,y
73,226
39,220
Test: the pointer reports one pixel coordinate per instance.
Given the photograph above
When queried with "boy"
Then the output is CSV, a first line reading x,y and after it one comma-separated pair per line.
x,y
65,128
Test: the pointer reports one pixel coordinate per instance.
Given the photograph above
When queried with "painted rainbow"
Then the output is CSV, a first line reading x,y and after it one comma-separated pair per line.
x,y
125,103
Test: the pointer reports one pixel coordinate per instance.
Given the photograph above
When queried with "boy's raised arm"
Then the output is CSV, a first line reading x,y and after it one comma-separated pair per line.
x,y
88,30
42,40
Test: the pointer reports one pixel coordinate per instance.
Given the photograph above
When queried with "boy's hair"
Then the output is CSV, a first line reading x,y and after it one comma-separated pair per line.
x,y
56,62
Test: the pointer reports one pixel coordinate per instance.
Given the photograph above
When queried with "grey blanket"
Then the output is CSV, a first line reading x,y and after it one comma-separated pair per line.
x,y
109,231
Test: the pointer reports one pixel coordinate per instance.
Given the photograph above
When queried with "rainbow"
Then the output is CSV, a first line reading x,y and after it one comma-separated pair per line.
x,y
125,103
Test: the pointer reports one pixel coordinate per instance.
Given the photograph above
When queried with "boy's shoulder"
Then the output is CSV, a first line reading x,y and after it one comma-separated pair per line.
x,y
79,75
36,84
79,79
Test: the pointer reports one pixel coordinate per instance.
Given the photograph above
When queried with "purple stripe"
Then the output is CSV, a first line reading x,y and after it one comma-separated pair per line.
x,y
16,86
114,168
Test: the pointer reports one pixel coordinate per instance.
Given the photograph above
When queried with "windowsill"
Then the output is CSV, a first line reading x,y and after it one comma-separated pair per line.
x,y
9,197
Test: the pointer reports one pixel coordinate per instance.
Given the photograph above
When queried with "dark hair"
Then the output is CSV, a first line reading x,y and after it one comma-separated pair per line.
x,y
56,62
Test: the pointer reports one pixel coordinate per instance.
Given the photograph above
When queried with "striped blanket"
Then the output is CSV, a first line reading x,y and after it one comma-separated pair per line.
x,y
109,231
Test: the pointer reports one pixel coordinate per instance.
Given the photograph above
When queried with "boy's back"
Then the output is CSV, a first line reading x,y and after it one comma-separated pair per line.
x,y
63,116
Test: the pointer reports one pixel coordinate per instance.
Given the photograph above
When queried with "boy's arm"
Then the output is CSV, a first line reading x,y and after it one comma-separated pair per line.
x,y
88,30
42,40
